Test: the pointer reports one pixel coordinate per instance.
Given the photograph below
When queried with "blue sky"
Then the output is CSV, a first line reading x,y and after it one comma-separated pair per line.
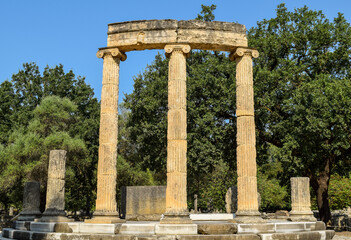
x,y
70,31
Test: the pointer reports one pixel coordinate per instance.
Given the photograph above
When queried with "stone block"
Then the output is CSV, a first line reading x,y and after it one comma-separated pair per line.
x,y
220,237
20,225
295,236
46,236
98,228
212,216
62,228
175,229
138,228
256,228
7,232
212,228
42,226
290,227
143,202
22,235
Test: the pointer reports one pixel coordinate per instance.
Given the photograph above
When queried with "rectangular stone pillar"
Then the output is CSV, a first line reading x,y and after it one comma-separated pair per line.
x,y
31,202
106,204
301,200
246,139
55,193
176,194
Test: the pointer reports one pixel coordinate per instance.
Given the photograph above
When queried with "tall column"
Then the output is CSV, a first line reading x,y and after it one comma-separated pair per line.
x,y
246,138
55,193
176,194
301,200
106,205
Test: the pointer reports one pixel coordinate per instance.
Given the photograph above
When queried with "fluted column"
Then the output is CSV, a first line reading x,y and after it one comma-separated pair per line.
x,y
106,205
301,200
246,138
176,193
55,193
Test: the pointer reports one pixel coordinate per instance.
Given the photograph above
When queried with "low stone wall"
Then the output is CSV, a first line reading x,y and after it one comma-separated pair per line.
x,y
142,203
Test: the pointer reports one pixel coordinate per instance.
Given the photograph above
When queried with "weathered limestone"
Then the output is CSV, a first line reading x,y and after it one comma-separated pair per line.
x,y
156,34
246,138
106,205
231,200
176,195
55,193
301,200
31,202
143,203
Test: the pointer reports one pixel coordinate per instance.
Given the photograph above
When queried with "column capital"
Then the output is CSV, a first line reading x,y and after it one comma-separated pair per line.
x,y
184,48
239,52
115,53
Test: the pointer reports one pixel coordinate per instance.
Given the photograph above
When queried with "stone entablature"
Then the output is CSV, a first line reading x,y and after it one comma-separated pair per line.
x,y
156,34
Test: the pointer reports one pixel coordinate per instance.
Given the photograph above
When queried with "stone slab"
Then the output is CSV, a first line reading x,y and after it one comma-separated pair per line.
x,y
97,228
213,228
294,236
155,34
20,225
256,228
212,216
143,203
175,229
42,226
220,237
290,227
137,228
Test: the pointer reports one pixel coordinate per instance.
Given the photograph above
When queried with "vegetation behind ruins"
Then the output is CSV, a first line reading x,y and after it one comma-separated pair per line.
x,y
302,107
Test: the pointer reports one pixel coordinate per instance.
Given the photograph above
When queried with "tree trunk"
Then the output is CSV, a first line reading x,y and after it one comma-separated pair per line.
x,y
320,186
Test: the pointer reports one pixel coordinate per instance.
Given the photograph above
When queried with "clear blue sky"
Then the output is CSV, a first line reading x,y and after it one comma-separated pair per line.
x,y
70,31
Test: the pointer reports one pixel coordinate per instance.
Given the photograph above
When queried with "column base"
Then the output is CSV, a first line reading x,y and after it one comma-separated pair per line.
x,y
247,217
55,219
176,218
55,215
105,217
301,216
29,215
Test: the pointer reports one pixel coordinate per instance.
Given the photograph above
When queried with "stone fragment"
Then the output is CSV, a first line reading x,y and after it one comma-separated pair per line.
x,y
55,193
31,202
212,228
300,200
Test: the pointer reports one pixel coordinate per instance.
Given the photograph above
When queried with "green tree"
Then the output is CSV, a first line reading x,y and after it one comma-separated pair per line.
x,y
303,96
22,95
27,155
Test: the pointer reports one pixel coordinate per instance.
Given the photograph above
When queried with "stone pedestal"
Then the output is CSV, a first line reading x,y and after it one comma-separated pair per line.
x,y
246,138
31,202
55,193
176,195
301,200
106,205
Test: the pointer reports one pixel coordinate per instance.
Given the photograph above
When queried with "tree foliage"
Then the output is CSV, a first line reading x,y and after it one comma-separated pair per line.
x,y
68,120
302,94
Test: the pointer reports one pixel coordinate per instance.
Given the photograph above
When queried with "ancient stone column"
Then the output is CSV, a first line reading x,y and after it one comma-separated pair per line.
x,y
31,202
176,194
55,193
301,200
246,138
106,205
